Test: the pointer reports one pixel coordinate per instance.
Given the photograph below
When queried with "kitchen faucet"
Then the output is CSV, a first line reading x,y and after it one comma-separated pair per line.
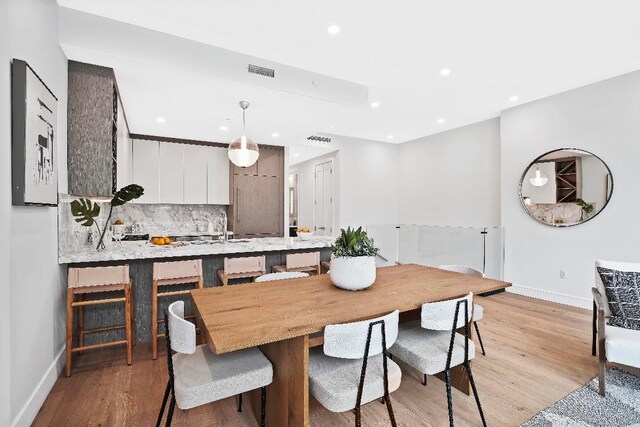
x,y
225,233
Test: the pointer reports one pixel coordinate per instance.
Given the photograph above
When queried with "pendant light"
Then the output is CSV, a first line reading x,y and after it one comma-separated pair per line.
x,y
539,180
243,151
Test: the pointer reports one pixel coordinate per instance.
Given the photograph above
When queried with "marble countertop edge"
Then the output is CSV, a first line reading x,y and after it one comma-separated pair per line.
x,y
127,251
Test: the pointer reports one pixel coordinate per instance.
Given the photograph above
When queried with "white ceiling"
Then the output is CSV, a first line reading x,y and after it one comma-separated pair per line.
x,y
494,48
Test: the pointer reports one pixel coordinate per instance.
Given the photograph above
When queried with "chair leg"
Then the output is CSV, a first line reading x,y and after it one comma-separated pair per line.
x,y
424,380
154,319
392,417
447,377
127,315
164,403
69,331
171,408
475,324
81,324
263,407
594,329
240,402
601,376
475,392
358,421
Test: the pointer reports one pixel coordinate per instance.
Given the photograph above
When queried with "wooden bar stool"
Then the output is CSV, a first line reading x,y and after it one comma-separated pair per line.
x,y
242,268
326,265
86,281
170,274
303,263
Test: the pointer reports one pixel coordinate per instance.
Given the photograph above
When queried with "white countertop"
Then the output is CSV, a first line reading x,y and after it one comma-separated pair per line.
x,y
143,250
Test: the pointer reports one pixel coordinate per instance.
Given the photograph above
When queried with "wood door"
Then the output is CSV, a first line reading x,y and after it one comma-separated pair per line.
x,y
271,162
323,203
258,207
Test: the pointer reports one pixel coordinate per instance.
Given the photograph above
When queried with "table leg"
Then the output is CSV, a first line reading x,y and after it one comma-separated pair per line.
x,y
288,394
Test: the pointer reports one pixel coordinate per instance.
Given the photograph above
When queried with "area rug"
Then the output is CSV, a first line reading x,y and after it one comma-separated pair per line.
x,y
586,408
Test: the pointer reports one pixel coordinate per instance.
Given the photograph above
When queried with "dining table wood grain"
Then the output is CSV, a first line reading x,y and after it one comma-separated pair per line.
x,y
279,316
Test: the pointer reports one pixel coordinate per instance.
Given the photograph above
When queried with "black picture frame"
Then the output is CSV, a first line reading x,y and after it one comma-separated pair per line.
x,y
29,188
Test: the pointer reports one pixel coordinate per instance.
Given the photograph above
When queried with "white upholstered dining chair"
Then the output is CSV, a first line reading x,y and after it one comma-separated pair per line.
x,y
432,344
197,376
270,277
478,310
352,367
615,344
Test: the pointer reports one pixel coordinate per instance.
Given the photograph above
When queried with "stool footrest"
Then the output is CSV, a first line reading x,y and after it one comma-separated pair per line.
x,y
172,293
103,329
95,346
98,301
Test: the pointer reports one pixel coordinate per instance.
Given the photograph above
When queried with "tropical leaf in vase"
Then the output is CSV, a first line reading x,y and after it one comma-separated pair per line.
x,y
85,211
127,194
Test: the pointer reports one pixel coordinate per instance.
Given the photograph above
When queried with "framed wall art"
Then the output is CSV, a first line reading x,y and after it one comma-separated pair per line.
x,y
34,130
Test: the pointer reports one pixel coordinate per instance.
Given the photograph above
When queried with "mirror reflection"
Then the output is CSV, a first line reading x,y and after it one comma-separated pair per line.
x,y
566,187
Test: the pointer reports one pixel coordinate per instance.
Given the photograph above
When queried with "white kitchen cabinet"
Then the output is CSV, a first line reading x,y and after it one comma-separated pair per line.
x,y
217,176
146,167
195,174
171,170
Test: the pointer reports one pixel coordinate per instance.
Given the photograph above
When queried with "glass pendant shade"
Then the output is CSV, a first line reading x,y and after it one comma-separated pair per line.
x,y
243,151
539,180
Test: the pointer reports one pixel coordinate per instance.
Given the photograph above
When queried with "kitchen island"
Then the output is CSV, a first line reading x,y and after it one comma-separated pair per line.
x,y
140,257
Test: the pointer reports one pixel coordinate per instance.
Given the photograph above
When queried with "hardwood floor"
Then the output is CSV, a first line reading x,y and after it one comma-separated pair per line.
x,y
537,353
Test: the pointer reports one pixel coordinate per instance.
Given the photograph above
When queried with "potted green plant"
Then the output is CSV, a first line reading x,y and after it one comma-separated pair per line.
x,y
587,208
353,265
86,211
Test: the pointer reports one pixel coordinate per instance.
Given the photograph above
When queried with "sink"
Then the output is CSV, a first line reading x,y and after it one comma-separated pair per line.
x,y
200,238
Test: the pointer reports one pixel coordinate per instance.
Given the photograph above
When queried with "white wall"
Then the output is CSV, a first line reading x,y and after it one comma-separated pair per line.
x,y
452,178
5,218
306,189
37,294
368,179
601,118
365,183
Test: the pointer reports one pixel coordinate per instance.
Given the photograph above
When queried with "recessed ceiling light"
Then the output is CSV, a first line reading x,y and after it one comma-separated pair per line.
x,y
160,120
440,121
333,29
375,104
223,128
296,155
390,136
275,134
445,71
514,98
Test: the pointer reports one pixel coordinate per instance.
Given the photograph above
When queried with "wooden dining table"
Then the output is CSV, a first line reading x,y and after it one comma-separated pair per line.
x,y
280,316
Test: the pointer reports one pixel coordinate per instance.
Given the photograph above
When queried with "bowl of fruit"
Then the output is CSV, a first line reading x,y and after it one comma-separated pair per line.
x,y
304,233
160,241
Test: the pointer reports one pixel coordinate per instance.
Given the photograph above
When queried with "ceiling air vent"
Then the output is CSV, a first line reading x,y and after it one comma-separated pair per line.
x,y
315,138
261,71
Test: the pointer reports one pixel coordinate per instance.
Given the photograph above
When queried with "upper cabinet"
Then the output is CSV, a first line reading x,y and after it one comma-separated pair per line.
x,y
146,169
195,174
171,177
177,173
97,133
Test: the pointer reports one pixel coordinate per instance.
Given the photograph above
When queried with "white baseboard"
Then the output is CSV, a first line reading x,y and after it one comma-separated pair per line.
x,y
551,296
30,409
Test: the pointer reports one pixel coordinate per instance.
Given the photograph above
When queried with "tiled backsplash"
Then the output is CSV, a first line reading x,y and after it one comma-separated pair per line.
x,y
155,219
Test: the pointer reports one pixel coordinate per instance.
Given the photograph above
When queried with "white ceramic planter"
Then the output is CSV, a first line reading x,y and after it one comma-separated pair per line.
x,y
353,273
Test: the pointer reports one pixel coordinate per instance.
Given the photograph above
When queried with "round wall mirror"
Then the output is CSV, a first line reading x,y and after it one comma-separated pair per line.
x,y
566,187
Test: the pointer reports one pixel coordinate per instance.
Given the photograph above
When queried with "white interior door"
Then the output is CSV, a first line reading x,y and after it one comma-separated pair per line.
x,y
323,203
